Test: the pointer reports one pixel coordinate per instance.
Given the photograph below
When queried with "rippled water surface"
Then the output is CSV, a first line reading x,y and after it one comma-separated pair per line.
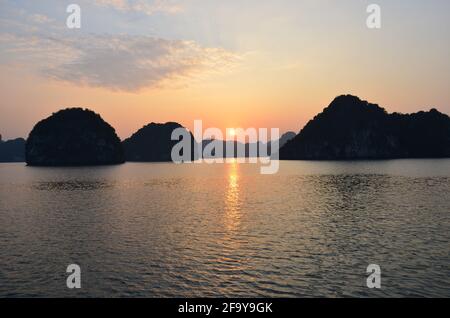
x,y
163,230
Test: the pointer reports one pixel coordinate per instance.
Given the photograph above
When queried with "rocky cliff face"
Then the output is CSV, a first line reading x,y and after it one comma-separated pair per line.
x,y
73,137
153,143
350,128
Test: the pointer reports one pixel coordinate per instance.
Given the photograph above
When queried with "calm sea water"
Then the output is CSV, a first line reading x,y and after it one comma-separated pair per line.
x,y
164,230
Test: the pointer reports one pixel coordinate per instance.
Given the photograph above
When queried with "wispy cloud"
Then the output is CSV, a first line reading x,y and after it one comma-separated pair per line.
x,y
40,18
118,62
112,61
148,7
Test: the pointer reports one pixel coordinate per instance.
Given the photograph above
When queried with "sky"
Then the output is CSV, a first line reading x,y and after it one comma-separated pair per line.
x,y
230,63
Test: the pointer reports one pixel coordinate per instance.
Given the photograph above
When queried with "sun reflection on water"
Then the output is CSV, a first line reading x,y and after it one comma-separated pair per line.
x,y
232,202
229,258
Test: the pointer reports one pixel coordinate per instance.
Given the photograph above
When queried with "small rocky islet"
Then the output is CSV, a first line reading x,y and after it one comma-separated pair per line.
x,y
73,137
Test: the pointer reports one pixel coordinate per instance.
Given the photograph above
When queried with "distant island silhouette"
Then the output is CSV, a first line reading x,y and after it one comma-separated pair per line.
x,y
73,137
262,149
12,150
350,129
152,143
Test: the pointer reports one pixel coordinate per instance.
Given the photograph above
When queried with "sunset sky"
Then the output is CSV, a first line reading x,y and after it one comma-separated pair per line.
x,y
230,63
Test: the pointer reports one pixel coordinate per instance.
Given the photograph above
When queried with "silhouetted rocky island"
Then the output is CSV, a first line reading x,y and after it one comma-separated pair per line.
x,y
12,150
153,143
350,128
73,137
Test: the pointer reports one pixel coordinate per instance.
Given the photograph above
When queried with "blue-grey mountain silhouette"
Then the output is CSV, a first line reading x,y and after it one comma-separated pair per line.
x,y
73,137
256,149
350,128
286,137
12,150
